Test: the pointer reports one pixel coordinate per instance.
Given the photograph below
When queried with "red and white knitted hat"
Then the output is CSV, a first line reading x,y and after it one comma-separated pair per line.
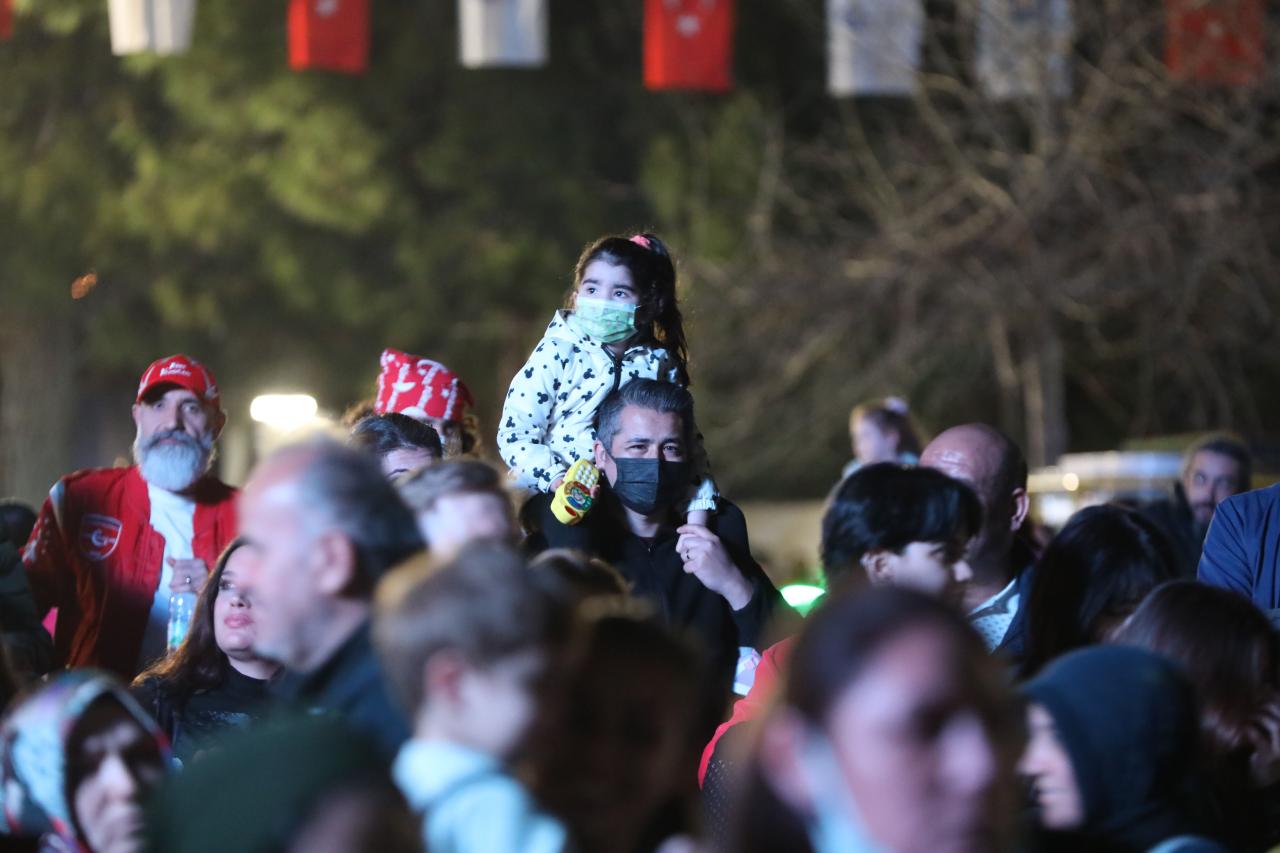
x,y
181,371
420,388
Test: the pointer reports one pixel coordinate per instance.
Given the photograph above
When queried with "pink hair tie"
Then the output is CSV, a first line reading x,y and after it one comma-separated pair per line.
x,y
642,241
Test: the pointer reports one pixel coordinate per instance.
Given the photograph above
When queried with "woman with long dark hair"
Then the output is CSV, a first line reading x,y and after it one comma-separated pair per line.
x,y
1092,575
214,680
1228,650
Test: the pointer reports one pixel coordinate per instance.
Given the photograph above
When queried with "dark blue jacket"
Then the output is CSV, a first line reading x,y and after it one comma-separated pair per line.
x,y
1242,549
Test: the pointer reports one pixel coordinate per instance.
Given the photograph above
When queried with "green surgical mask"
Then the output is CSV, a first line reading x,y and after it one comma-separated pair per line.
x,y
605,321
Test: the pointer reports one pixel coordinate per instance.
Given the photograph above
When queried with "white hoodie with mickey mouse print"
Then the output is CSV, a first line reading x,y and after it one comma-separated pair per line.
x,y
547,419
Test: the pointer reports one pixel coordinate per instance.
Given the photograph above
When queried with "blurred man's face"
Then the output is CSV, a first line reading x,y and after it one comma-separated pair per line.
x,y
275,573
112,765
1209,480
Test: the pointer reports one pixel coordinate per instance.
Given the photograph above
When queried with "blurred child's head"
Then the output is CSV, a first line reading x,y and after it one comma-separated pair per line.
x,y
458,501
620,762
584,576
650,285
468,644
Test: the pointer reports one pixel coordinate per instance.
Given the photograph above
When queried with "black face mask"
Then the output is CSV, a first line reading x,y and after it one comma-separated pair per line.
x,y
644,485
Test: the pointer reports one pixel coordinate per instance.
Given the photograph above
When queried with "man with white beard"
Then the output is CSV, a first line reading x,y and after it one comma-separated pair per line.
x,y
112,544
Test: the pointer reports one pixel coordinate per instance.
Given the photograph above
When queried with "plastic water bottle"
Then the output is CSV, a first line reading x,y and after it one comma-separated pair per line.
x,y
182,605
745,676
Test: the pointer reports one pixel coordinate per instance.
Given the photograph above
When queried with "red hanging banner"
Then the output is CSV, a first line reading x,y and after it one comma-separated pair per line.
x,y
688,44
1215,41
6,19
329,34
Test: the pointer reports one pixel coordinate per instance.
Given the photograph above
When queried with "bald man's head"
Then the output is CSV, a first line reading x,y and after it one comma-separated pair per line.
x,y
981,456
990,462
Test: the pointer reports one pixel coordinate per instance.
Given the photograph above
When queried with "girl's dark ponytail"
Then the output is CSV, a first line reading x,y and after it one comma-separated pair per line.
x,y
668,323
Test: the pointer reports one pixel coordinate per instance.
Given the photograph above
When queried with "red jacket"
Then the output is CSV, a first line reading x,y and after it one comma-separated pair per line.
x,y
94,555
768,680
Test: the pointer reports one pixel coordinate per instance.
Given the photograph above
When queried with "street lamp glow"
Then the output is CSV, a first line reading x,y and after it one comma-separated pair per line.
x,y
284,412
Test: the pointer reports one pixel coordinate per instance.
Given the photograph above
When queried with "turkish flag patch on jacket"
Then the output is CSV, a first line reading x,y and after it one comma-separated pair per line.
x,y
688,44
99,535
1215,41
329,34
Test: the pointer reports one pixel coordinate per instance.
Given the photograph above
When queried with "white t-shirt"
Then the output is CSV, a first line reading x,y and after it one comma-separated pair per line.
x,y
173,517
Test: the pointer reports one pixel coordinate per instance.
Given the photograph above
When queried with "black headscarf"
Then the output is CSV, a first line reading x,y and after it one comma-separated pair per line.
x,y
1127,720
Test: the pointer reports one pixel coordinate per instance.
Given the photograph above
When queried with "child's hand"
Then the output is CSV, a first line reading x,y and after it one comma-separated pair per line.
x,y
595,490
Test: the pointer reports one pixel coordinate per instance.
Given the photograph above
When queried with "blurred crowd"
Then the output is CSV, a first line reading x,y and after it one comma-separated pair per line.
x,y
386,641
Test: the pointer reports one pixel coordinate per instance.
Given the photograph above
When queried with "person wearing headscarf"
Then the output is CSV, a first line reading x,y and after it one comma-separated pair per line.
x,y
78,758
1112,755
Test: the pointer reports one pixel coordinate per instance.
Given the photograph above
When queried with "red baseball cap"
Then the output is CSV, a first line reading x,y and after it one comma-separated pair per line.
x,y
420,388
180,371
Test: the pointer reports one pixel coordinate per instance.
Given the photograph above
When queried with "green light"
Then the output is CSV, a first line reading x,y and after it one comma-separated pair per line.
x,y
802,596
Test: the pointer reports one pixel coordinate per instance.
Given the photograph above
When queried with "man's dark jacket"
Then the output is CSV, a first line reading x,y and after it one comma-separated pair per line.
x,y
1186,538
656,573
350,685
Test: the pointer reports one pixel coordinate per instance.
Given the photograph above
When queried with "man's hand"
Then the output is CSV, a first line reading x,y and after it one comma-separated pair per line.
x,y
706,559
188,575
